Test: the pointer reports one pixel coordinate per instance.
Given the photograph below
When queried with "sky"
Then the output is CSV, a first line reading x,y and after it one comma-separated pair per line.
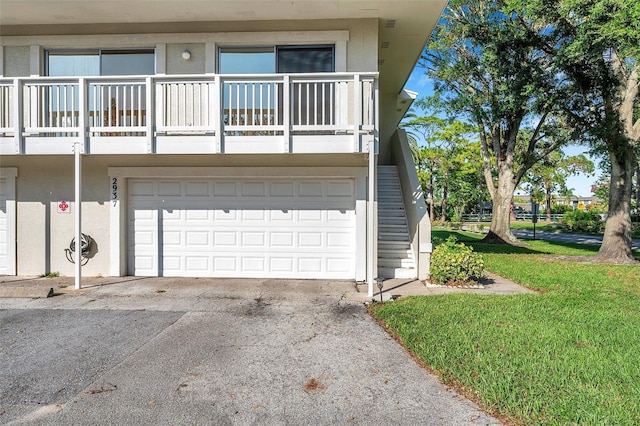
x,y
581,183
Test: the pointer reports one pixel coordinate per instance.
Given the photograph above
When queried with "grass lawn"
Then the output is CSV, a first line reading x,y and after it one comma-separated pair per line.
x,y
540,226
567,355
550,227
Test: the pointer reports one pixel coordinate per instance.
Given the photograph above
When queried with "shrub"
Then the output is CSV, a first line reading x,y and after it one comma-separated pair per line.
x,y
437,223
561,208
453,263
455,225
582,221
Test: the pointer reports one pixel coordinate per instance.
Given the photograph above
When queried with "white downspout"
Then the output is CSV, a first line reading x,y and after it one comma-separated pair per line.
x,y
371,219
78,215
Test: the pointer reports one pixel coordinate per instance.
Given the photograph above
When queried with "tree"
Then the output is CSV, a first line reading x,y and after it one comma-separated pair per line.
x,y
596,47
550,175
567,195
439,160
422,128
467,187
489,68
452,141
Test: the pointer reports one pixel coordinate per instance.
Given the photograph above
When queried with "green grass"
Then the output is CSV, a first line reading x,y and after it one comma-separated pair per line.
x,y
567,355
540,226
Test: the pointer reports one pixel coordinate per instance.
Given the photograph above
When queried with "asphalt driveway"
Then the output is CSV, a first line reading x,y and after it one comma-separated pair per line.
x,y
159,351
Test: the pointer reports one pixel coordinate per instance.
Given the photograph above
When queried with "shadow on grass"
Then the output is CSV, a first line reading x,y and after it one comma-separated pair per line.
x,y
532,246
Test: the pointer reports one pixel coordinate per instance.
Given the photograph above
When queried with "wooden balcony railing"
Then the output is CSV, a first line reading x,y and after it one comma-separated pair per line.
x,y
332,112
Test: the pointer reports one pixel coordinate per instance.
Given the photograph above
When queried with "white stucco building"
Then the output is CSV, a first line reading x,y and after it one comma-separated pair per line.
x,y
223,138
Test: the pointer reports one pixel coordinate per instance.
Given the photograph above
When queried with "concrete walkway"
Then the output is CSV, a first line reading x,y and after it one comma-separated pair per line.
x,y
212,351
36,287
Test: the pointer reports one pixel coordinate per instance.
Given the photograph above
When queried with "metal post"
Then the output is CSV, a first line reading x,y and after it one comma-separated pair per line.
x,y
371,219
78,216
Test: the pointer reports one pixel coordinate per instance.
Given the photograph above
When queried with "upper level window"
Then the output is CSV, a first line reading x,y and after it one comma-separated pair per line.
x,y
79,63
255,60
293,59
280,59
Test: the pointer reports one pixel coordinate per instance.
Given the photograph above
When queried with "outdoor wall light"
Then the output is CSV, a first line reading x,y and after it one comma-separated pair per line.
x,y
186,55
380,284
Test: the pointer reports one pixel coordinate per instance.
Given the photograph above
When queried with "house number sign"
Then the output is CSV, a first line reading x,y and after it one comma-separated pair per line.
x,y
114,191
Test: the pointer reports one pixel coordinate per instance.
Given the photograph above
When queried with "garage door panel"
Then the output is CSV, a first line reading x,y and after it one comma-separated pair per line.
x,y
282,189
253,215
310,239
281,239
225,239
281,215
170,189
310,265
311,189
338,265
225,264
340,189
142,189
279,228
253,239
253,189
198,189
198,238
254,264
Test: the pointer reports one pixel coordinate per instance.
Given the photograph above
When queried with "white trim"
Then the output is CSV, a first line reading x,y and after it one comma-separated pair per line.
x,y
237,172
152,39
34,60
10,174
77,148
118,217
117,226
1,61
161,58
340,55
361,229
371,211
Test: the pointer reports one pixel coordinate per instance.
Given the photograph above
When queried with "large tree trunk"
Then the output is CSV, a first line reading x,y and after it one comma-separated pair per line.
x,y
502,197
637,188
616,243
548,200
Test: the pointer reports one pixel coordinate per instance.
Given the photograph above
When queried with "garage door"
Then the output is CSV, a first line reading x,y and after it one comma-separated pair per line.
x,y
240,228
4,258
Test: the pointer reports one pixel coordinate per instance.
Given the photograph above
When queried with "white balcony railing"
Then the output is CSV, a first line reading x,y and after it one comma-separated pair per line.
x,y
333,112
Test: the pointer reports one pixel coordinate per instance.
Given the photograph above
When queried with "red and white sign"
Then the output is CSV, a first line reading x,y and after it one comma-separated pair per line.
x,y
64,207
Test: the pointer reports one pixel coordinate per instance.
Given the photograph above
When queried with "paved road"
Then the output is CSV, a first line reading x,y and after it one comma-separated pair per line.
x,y
230,352
566,237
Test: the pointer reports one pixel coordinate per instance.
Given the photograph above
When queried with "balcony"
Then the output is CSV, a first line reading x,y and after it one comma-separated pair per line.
x,y
205,114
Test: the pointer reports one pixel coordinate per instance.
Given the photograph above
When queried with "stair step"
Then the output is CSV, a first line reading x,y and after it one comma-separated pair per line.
x,y
393,233
395,257
393,220
393,245
395,263
393,227
397,273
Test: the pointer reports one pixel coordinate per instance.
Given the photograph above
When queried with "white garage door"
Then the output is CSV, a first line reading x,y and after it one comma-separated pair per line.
x,y
242,228
4,258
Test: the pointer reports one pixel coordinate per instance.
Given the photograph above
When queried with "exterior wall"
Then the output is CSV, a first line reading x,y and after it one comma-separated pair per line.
x,y
356,44
43,234
16,61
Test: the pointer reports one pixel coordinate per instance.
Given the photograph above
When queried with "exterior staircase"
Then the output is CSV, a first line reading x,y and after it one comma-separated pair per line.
x,y
395,257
